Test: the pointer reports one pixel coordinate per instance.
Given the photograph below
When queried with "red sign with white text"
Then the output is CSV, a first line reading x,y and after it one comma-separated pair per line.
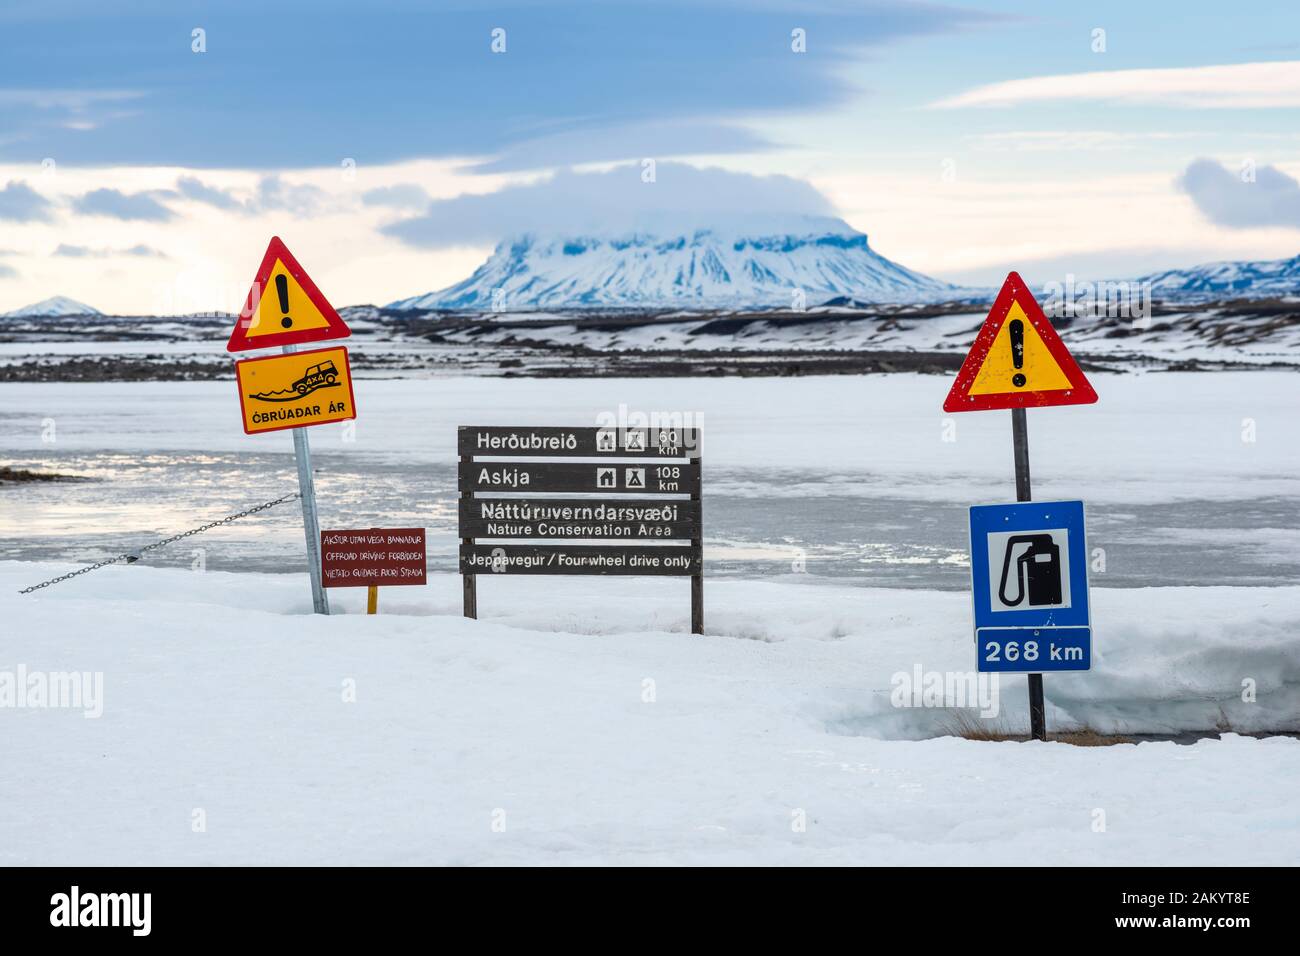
x,y
372,557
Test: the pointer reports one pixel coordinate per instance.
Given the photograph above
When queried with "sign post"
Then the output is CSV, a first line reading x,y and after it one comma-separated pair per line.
x,y
1020,450
1018,361
697,542
638,514
294,389
320,602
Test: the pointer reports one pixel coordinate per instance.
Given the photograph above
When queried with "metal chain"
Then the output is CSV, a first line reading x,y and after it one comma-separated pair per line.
x,y
133,556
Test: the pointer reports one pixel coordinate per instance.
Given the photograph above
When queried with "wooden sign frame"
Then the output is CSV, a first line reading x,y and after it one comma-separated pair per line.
x,y
653,494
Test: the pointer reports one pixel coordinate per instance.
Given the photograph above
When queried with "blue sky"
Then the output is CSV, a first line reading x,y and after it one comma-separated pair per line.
x,y
965,138
308,82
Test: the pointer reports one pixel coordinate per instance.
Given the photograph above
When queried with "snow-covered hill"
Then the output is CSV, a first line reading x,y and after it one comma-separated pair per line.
x,y
56,306
1260,279
754,266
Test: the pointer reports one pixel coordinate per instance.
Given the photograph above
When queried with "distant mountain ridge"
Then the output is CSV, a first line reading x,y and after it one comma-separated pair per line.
x,y
54,306
710,270
1246,279
770,264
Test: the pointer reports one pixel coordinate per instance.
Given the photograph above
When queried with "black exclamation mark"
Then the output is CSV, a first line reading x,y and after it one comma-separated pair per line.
x,y
1017,331
282,290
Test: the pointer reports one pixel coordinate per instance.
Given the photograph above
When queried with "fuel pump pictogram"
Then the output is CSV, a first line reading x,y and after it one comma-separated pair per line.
x,y
1037,565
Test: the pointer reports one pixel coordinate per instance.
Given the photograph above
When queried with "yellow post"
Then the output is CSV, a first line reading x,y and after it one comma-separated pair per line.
x,y
372,599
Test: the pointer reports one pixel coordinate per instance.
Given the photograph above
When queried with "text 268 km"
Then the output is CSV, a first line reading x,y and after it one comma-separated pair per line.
x,y
1032,650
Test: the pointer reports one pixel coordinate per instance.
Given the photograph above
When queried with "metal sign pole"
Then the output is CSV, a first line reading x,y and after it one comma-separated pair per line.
x,y
1020,445
697,580
469,582
310,521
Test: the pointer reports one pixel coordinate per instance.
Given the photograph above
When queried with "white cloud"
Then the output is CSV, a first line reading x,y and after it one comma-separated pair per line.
x,y
400,196
1232,86
1072,141
140,250
75,100
1268,197
620,199
979,227
213,247
273,194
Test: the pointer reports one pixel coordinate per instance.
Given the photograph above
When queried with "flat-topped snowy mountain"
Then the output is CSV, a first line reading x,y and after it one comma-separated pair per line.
x,y
754,266
56,306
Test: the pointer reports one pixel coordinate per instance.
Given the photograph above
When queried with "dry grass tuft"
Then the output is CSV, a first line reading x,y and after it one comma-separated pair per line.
x,y
970,727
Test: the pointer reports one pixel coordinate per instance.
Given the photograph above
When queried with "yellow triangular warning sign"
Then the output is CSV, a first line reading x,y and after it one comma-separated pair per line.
x,y
1017,360
284,307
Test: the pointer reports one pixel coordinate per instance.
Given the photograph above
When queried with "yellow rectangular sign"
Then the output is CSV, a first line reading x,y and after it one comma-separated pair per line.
x,y
295,390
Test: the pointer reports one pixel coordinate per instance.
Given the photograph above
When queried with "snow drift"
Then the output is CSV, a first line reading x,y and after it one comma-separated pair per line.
x,y
579,723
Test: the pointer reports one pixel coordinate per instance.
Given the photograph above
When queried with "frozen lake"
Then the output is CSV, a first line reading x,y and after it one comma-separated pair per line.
x,y
1188,478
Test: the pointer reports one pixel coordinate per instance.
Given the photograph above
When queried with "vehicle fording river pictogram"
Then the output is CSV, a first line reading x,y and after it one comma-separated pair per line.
x,y
294,390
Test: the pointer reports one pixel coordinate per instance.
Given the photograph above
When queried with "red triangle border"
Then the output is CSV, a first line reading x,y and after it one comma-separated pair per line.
x,y
1015,290
239,338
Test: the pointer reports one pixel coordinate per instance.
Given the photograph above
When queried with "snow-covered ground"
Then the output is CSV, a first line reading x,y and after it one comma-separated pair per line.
x,y
1240,332
1204,334
578,723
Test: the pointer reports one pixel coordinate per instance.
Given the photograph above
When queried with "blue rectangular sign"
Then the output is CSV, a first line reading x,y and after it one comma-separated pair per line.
x,y
1029,586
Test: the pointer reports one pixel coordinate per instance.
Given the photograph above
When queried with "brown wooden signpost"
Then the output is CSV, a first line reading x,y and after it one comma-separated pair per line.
x,y
372,558
639,510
